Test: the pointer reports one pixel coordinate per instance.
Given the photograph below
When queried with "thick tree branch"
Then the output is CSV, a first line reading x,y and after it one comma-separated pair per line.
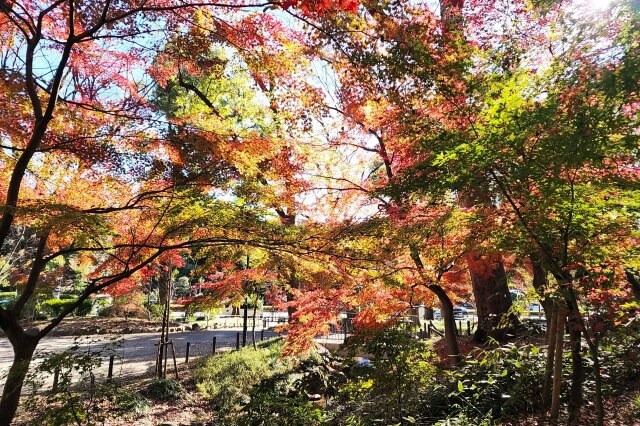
x,y
38,265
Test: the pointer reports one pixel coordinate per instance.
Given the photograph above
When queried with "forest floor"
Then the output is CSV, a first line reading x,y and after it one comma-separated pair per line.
x,y
192,409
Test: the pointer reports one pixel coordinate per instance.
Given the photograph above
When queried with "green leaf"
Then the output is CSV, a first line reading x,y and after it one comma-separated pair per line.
x,y
460,386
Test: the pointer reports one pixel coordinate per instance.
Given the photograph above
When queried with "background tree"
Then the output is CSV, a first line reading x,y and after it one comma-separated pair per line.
x,y
401,68
557,142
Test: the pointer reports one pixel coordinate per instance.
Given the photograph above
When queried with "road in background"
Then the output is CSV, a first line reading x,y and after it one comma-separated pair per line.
x,y
135,354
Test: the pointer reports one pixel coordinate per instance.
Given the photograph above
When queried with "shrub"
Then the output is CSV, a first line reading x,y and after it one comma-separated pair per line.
x,y
491,384
129,404
276,410
285,398
79,396
154,310
55,307
164,390
131,306
390,390
403,387
227,379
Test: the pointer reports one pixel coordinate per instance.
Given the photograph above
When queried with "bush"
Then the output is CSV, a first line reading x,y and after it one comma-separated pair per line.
x,y
55,307
269,409
285,398
129,404
79,396
389,391
403,387
491,384
154,310
164,390
131,306
228,378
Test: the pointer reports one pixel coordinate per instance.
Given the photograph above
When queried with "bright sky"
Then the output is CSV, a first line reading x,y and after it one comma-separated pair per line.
x,y
599,4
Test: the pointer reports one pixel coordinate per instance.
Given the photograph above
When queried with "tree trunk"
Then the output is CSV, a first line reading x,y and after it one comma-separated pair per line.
x,y
593,349
447,309
540,284
551,348
245,317
557,363
449,323
492,297
577,367
253,324
428,313
163,291
24,346
634,282
490,289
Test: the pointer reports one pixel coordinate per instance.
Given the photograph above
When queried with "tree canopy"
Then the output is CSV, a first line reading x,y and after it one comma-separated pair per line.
x,y
368,156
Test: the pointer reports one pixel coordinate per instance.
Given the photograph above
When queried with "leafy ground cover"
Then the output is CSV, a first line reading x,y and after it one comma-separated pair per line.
x,y
400,381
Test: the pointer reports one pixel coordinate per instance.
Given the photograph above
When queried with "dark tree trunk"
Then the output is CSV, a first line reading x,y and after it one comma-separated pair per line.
x,y
447,309
540,283
428,313
253,323
163,291
245,318
551,350
557,363
449,323
492,297
634,282
488,277
24,346
593,349
577,367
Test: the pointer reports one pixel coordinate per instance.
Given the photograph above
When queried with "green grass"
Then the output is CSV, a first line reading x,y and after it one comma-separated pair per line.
x,y
226,379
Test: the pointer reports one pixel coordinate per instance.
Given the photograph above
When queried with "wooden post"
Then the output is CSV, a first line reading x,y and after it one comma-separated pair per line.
x,y
468,328
459,328
429,331
214,345
237,341
56,377
175,364
262,334
110,373
244,322
186,360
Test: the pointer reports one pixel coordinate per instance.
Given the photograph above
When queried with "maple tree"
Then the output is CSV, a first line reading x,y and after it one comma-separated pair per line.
x,y
446,146
398,68
557,142
476,119
86,165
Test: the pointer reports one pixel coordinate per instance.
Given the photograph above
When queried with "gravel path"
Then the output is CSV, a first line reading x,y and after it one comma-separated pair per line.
x,y
134,353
